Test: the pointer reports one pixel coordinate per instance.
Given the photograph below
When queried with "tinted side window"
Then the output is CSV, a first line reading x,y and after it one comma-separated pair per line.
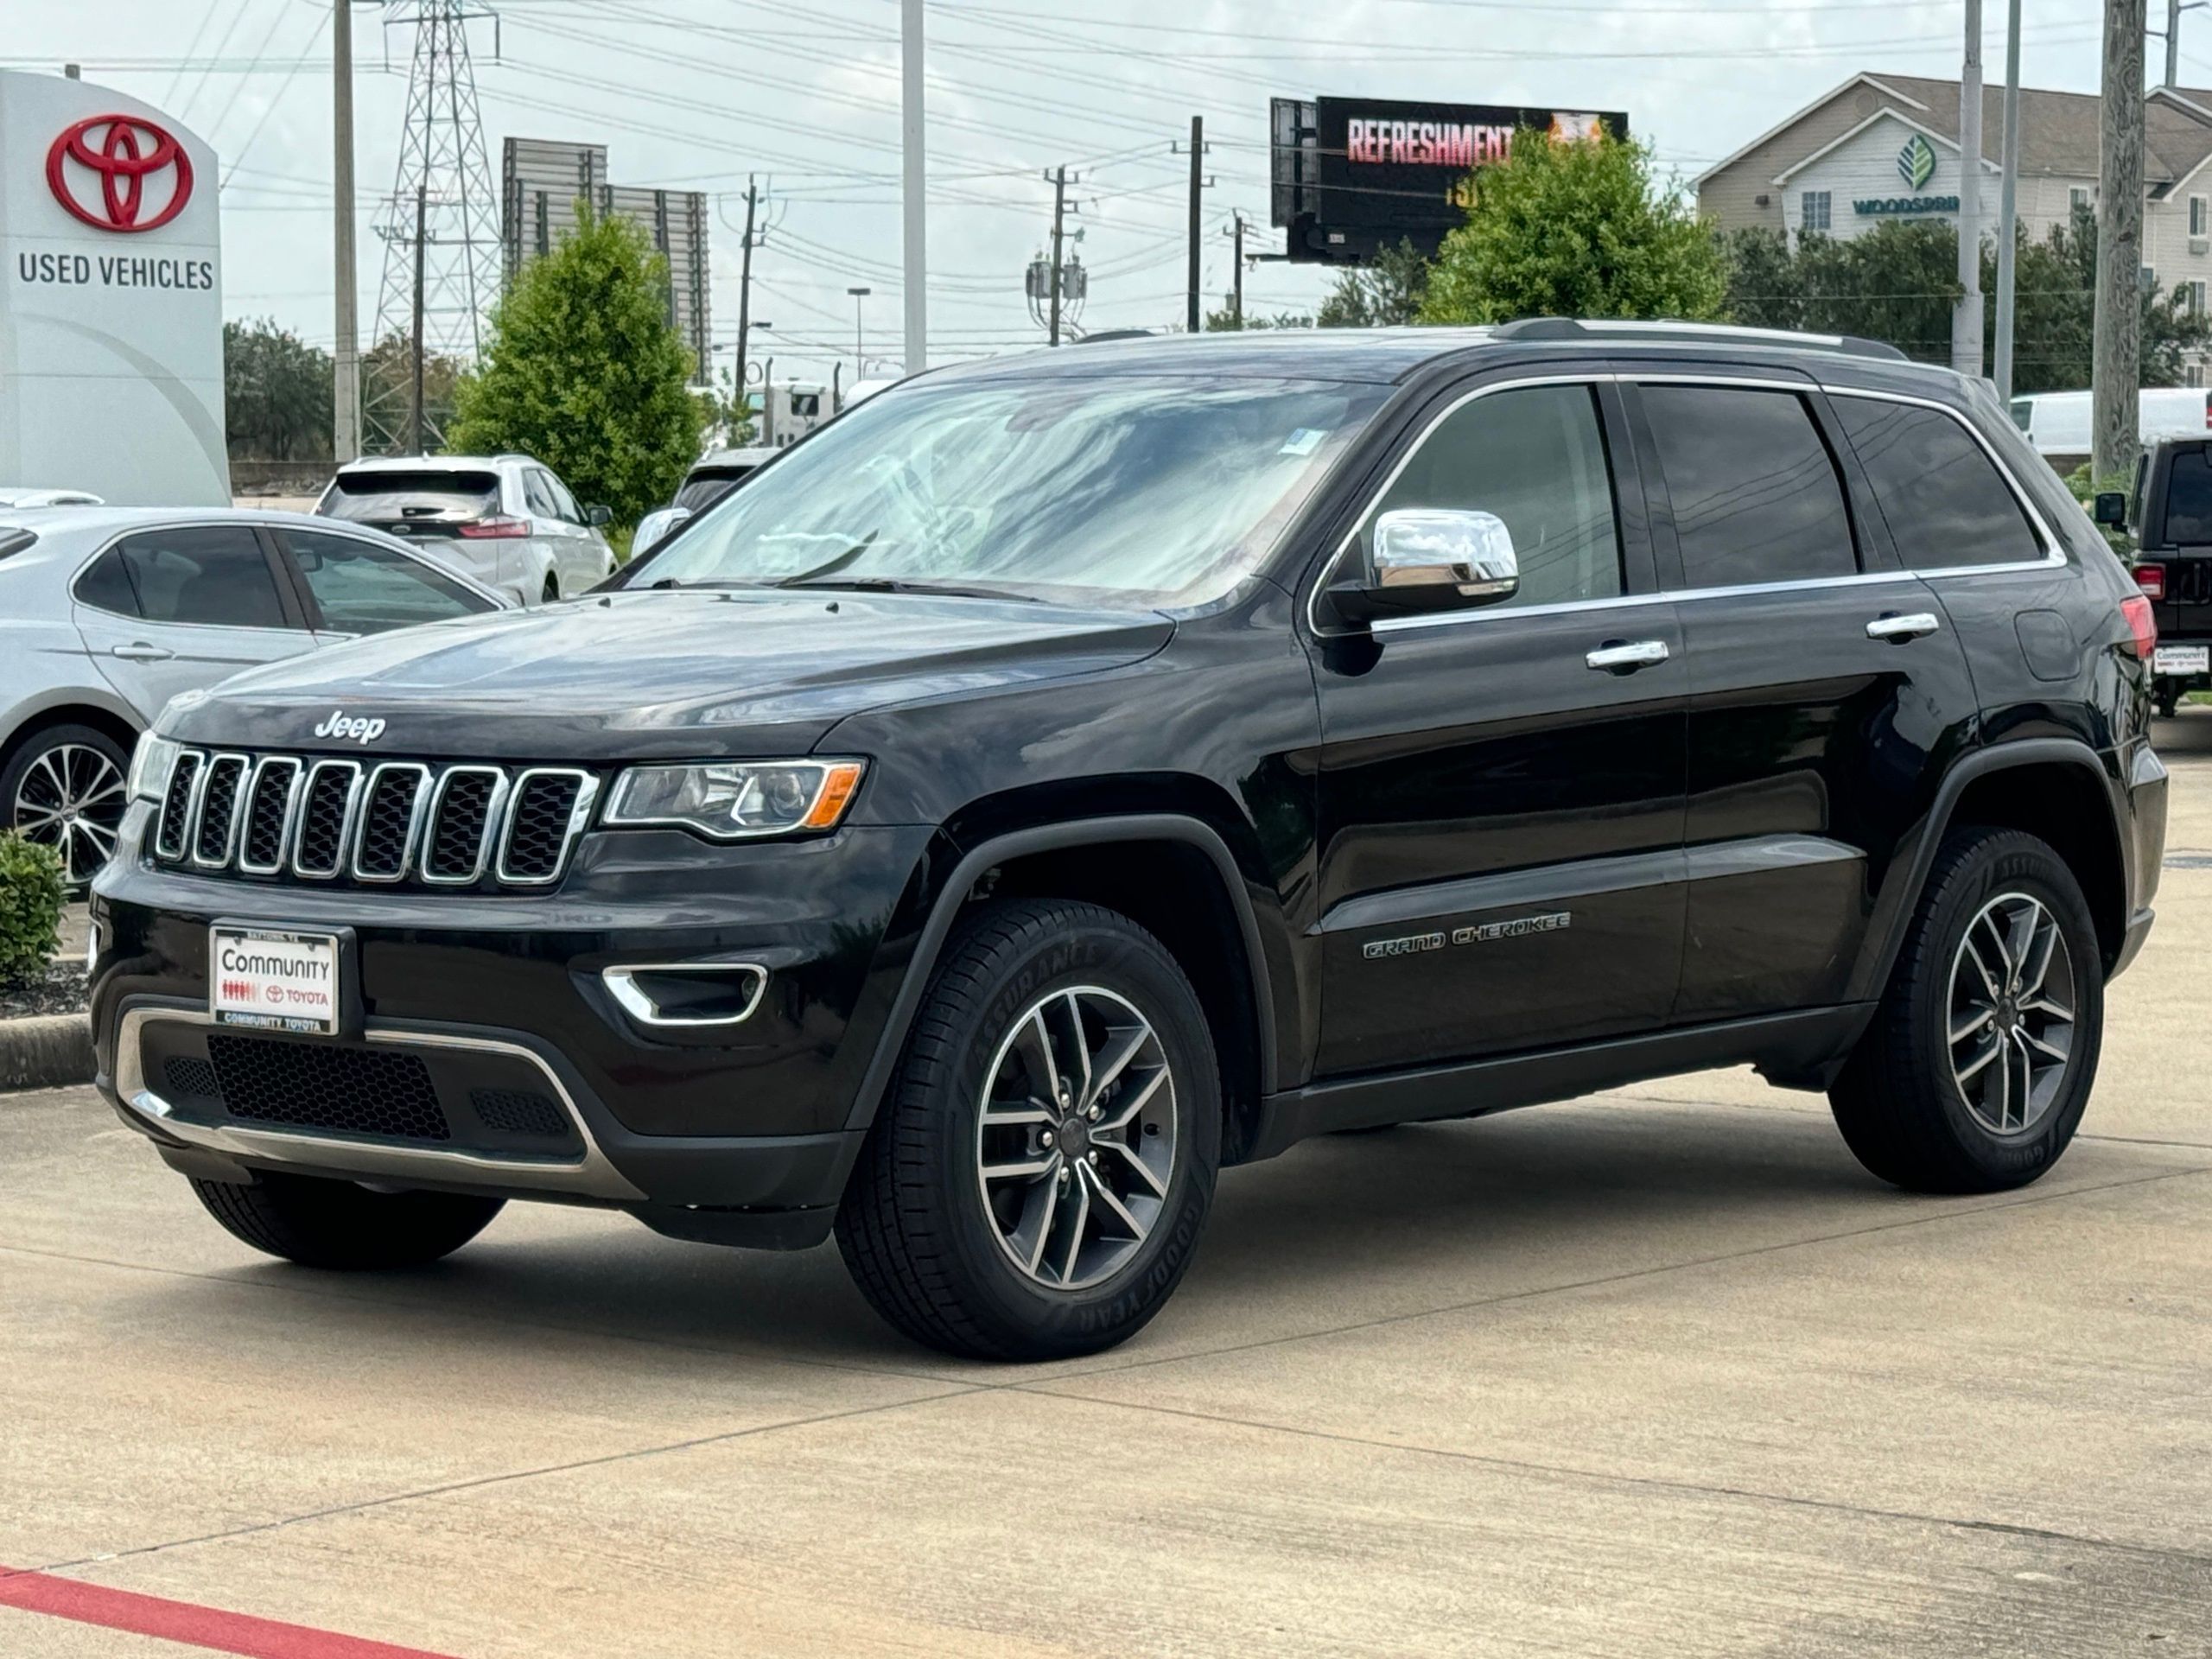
x,y
1536,458
105,585
1755,492
363,588
1940,494
540,498
2189,499
212,573
563,503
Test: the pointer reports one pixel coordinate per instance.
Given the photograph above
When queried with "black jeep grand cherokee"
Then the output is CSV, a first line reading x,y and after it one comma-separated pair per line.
x,y
1063,777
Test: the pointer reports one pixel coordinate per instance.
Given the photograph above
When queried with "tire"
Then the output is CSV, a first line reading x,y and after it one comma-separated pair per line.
x,y
337,1224
934,1255
2169,695
58,769
1899,1101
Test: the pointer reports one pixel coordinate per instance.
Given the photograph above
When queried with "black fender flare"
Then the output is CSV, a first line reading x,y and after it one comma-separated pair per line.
x,y
1894,909
944,911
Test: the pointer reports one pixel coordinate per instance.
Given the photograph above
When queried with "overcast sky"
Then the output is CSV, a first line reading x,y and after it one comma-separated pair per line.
x,y
699,93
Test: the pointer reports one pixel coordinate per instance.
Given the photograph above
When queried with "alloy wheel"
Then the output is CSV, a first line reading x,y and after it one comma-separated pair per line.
x,y
1075,1137
2012,998
71,799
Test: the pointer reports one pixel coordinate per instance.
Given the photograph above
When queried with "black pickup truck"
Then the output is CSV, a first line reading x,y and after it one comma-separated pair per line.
x,y
2170,513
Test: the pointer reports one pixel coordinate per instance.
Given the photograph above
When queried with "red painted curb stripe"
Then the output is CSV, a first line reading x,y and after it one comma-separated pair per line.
x,y
182,1621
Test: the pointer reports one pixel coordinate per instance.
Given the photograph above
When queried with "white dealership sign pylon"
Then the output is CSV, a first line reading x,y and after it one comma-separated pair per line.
x,y
110,298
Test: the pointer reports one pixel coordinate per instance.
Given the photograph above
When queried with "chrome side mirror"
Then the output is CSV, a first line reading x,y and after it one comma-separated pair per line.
x,y
1426,559
655,527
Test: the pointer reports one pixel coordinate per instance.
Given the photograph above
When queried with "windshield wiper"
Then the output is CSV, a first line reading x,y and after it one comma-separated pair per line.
x,y
898,585
828,567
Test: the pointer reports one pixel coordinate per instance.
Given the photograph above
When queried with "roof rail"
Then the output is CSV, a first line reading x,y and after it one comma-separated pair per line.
x,y
1540,329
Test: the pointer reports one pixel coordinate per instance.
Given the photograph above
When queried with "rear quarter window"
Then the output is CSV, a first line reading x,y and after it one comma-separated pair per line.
x,y
2189,499
1943,497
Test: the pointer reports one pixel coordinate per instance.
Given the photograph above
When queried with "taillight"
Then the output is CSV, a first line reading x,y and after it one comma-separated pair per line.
x,y
2137,609
477,528
2151,579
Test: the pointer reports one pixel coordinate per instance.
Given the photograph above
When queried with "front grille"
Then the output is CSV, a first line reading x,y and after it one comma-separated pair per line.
x,y
313,1085
170,836
400,821
219,809
193,1079
540,825
268,815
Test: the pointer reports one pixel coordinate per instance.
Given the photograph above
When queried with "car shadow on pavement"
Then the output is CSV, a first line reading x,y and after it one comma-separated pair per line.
x,y
1336,1230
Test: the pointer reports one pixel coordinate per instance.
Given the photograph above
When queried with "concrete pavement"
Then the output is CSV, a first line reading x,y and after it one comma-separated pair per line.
x,y
1658,1372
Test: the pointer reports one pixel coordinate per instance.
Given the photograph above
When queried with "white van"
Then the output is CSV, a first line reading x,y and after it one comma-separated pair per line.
x,y
2057,422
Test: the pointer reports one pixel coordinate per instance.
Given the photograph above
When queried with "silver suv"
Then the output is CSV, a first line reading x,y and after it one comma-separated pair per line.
x,y
506,520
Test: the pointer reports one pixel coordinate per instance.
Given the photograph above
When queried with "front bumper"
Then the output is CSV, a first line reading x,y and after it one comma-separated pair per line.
x,y
695,1128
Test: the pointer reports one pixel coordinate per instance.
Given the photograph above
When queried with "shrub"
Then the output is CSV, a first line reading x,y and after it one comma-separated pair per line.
x,y
30,905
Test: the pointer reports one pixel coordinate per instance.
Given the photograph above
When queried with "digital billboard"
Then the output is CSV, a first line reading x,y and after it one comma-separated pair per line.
x,y
1353,174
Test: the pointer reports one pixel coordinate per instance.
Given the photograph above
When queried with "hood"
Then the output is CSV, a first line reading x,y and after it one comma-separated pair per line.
x,y
647,675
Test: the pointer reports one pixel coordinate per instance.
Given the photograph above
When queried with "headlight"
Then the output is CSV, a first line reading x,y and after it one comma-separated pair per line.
x,y
738,799
149,766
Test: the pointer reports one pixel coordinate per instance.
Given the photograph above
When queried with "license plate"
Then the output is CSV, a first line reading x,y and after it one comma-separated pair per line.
x,y
279,979
2181,659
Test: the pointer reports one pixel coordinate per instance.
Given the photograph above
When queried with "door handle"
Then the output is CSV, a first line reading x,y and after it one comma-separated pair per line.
x,y
142,652
1899,629
1625,658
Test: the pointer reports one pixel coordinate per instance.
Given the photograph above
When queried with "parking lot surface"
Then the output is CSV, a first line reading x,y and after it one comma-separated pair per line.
x,y
1661,1371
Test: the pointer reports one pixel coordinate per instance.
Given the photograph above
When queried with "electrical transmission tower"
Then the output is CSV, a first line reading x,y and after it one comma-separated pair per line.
x,y
441,231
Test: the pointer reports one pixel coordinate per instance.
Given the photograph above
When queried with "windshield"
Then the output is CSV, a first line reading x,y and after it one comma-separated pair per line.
x,y
1115,489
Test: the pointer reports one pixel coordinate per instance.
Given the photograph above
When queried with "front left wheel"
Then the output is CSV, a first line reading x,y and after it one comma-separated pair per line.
x,y
1037,1179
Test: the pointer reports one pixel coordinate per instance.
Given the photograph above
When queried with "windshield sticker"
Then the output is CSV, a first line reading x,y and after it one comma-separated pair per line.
x,y
1304,442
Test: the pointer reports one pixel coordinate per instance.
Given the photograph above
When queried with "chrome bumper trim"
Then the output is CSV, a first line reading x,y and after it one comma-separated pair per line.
x,y
321,1152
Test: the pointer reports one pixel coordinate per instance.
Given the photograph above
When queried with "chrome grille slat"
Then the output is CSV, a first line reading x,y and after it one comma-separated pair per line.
x,y
462,825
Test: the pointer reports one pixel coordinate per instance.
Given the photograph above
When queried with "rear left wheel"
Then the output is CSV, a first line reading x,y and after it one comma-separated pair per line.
x,y
65,788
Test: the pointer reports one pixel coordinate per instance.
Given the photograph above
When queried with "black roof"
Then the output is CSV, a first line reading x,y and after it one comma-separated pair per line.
x,y
1387,356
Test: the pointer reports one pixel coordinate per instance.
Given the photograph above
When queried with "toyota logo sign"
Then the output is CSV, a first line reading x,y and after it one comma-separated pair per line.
x,y
144,175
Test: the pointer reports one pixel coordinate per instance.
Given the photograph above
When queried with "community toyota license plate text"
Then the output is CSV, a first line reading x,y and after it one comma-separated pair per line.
x,y
2181,659
281,980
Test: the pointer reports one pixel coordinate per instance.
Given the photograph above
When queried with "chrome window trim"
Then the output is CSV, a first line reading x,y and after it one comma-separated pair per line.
x,y
591,1176
184,826
622,984
579,818
493,809
199,808
2053,554
345,815
414,822
291,806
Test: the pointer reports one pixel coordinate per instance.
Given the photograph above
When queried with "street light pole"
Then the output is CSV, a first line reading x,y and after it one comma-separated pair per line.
x,y
346,362
859,295
1965,319
2008,203
913,187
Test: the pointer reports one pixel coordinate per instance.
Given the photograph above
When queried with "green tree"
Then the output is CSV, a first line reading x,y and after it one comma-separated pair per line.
x,y
1899,284
1575,229
276,398
1226,318
584,371
388,394
1386,293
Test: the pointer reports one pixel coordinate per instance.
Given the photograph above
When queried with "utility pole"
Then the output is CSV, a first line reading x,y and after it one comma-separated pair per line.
x,y
2116,361
2173,43
1965,319
2008,195
913,187
745,294
345,360
415,403
1059,205
1236,300
1198,183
